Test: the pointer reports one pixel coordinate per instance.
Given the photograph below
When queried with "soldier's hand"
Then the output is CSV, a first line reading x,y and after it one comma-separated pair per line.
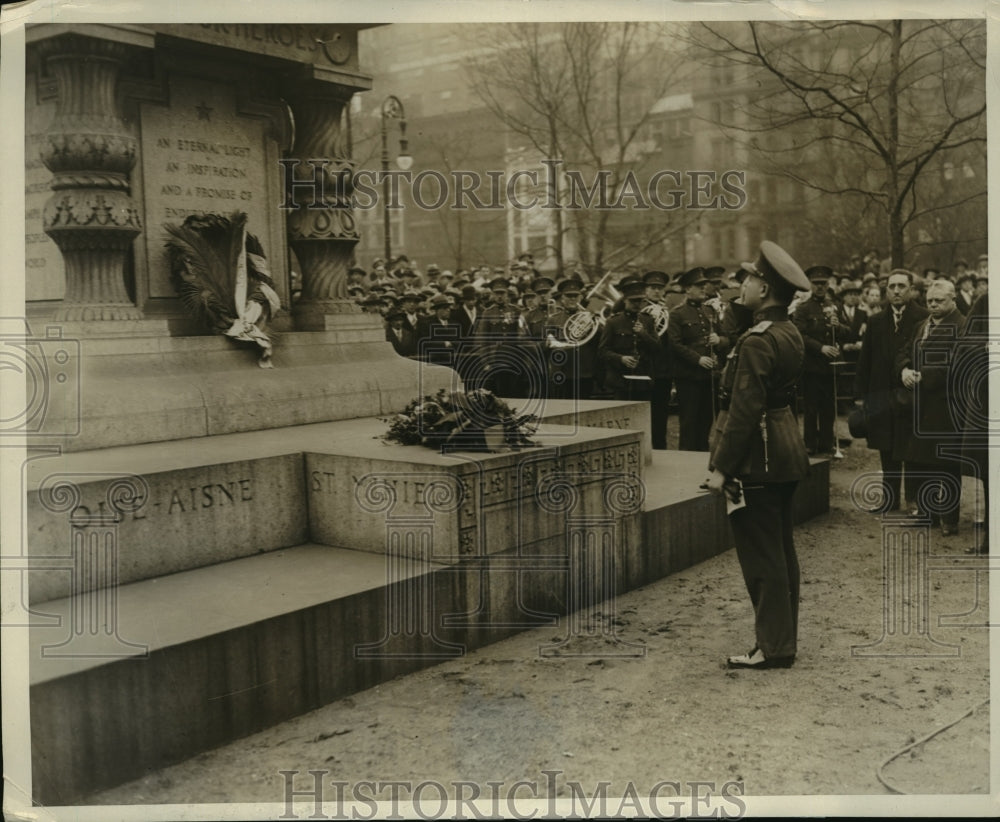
x,y
716,482
909,377
713,339
708,363
830,351
630,362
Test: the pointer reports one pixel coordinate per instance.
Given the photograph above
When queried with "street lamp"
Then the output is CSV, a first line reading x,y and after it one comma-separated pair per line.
x,y
392,108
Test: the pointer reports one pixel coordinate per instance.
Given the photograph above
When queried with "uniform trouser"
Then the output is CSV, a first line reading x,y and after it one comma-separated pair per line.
x,y
762,531
939,486
818,412
896,477
694,412
658,402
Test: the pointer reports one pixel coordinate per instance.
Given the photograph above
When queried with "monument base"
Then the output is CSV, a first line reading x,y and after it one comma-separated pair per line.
x,y
274,613
120,390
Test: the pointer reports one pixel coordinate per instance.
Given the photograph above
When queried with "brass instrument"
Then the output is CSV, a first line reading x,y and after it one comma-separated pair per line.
x,y
581,326
660,315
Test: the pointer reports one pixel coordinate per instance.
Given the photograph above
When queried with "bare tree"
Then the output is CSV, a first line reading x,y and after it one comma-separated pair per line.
x,y
581,95
871,110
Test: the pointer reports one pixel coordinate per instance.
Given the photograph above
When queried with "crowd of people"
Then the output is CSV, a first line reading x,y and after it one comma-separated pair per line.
x,y
871,335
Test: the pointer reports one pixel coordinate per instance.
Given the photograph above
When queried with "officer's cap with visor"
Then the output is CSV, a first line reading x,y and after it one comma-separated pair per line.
x,y
776,267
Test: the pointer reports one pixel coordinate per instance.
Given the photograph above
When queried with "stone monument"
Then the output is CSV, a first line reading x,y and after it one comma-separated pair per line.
x,y
213,547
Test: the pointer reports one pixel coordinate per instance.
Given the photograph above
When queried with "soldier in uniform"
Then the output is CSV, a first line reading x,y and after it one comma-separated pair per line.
x,y
629,346
816,319
536,317
695,347
758,456
736,317
656,283
499,334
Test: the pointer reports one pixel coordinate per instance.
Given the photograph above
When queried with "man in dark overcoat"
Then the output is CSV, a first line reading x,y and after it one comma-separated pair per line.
x,y
924,367
878,389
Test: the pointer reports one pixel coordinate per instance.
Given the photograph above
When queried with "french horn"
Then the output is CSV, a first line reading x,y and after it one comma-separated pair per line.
x,y
581,326
660,315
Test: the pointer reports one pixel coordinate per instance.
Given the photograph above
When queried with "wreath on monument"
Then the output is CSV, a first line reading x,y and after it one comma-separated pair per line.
x,y
220,273
476,420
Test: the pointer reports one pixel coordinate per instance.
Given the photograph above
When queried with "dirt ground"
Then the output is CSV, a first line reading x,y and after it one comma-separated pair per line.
x,y
673,712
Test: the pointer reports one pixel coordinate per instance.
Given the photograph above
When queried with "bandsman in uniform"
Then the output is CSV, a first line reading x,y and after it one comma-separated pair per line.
x,y
736,317
629,346
695,348
562,360
713,288
536,318
656,283
499,334
816,319
758,456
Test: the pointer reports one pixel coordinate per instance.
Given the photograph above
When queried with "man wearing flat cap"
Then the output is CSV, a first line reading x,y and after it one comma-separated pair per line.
x,y
695,350
758,456
656,283
817,321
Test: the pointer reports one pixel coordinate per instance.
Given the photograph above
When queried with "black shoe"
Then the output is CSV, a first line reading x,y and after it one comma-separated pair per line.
x,y
755,660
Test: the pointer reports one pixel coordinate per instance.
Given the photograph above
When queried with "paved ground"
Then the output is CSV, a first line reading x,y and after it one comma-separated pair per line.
x,y
651,699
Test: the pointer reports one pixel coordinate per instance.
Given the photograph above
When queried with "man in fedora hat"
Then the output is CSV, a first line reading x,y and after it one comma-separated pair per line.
x,y
437,335
695,348
758,457
404,341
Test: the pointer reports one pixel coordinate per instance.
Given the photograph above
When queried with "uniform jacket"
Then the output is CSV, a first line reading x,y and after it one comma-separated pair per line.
x,y
877,379
618,340
561,360
690,325
936,412
760,379
811,320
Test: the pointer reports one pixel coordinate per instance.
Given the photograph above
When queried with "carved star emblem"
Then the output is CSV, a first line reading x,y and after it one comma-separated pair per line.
x,y
204,111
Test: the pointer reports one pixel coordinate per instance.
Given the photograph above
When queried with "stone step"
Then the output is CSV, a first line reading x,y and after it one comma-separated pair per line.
x,y
196,502
133,678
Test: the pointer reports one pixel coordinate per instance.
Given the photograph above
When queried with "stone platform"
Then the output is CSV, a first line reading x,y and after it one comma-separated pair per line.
x,y
107,391
267,573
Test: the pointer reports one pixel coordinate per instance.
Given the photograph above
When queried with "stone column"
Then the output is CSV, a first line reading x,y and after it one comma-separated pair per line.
x,y
90,216
321,227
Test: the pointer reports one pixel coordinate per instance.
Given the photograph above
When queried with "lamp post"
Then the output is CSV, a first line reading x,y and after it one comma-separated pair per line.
x,y
392,108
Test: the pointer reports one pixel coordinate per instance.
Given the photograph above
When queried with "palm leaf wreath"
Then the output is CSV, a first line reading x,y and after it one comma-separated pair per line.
x,y
221,275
